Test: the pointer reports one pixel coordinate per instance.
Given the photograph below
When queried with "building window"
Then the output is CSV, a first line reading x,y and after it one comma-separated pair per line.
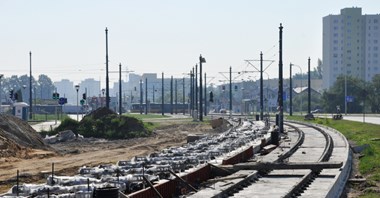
x,y
375,55
375,21
376,28
375,48
335,55
375,41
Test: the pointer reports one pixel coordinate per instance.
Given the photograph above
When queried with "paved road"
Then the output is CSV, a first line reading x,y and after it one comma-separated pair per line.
x,y
368,118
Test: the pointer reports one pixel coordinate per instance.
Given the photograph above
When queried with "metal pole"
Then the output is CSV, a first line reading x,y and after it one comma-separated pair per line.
x,y
261,87
308,89
205,96
200,90
107,78
280,84
196,88
345,92
146,96
230,91
176,97
141,97
120,91
77,105
52,174
30,86
162,94
171,95
290,92
183,95
153,93
17,183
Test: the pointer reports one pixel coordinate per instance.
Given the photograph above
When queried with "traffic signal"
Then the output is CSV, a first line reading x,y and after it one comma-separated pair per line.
x,y
211,97
82,102
11,94
55,96
223,88
84,96
236,87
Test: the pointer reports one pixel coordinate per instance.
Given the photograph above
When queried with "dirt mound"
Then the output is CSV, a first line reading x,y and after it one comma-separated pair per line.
x,y
100,112
17,137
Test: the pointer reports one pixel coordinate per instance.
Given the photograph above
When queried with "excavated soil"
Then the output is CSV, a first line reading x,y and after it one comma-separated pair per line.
x,y
69,156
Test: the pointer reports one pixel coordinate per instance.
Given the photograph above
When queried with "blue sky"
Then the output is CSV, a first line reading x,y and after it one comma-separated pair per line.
x,y
67,38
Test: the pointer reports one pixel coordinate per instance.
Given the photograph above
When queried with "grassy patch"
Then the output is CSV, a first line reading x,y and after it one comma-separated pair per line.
x,y
360,133
146,116
46,117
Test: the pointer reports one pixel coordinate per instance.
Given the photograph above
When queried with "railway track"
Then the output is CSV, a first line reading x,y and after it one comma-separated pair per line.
x,y
311,162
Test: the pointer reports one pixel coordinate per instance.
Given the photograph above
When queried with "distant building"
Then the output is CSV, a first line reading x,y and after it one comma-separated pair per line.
x,y
351,43
66,89
92,87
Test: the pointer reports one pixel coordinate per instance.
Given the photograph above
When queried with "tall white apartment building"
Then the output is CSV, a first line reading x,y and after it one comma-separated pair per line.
x,y
351,43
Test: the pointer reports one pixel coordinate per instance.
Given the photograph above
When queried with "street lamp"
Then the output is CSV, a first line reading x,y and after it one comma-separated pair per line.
x,y
77,89
201,60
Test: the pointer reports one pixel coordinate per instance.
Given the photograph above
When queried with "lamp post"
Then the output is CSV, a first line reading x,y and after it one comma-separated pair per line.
x,y
107,78
77,89
201,60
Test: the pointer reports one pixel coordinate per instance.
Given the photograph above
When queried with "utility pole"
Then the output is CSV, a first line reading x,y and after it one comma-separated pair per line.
x,y
308,89
196,89
107,78
146,96
290,92
280,86
120,91
30,86
261,87
162,94
153,93
171,95
176,96
141,97
230,91
183,95
201,60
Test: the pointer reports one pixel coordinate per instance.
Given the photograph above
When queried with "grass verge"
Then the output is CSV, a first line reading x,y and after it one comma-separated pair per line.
x,y
359,133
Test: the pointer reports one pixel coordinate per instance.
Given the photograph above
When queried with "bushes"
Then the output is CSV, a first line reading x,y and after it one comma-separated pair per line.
x,y
106,124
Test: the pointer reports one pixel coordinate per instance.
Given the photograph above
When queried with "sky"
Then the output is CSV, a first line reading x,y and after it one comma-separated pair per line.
x,y
67,38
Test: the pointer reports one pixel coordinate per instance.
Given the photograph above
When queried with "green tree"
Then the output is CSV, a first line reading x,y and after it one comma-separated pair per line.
x,y
374,94
45,87
335,96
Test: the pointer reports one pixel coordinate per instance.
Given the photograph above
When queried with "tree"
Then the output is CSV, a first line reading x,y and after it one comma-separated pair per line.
x,y
45,87
374,94
335,95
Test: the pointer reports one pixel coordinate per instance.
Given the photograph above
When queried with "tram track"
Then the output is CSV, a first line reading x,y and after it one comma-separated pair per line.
x,y
311,144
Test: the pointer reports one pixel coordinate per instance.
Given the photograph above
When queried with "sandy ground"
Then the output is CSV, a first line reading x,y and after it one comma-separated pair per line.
x,y
90,152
